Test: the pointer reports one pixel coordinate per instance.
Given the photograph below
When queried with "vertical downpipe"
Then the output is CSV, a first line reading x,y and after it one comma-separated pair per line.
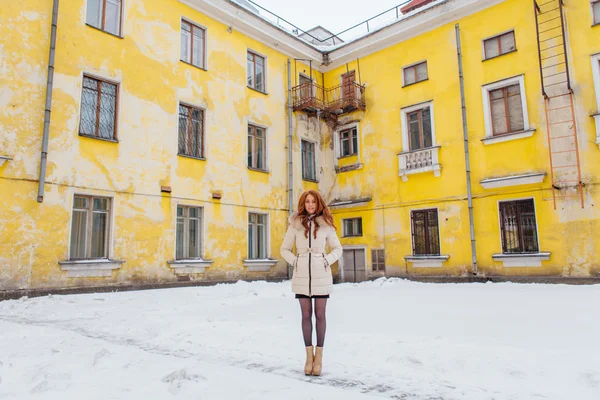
x,y
47,110
466,145
290,152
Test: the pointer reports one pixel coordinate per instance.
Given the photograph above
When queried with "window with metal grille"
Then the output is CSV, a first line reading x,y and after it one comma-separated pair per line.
x,y
90,227
378,259
193,49
98,109
518,226
308,160
352,227
425,232
498,45
189,232
596,11
348,142
415,73
506,110
191,132
257,236
105,15
257,148
419,129
255,71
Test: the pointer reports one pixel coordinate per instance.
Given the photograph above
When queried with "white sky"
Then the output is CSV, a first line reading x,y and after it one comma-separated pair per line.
x,y
334,15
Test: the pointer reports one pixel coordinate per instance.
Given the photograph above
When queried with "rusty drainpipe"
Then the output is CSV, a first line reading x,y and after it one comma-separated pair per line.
x,y
47,110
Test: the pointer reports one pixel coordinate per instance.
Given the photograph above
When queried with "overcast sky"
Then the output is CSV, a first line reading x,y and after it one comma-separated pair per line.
x,y
334,15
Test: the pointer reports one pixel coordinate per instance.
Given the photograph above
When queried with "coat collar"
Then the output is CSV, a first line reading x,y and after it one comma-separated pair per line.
x,y
296,221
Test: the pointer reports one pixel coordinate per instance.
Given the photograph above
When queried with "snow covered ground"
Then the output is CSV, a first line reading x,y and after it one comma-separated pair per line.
x,y
388,338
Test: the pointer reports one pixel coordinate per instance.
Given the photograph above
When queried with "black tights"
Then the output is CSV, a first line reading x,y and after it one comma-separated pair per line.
x,y
307,310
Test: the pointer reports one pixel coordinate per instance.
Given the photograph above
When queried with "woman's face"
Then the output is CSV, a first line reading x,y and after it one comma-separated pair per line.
x,y
310,204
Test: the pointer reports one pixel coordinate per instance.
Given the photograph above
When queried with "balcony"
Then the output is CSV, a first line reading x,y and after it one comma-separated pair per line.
x,y
419,161
344,98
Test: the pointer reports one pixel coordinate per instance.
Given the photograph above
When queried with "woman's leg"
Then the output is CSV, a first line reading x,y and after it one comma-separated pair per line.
x,y
320,306
306,308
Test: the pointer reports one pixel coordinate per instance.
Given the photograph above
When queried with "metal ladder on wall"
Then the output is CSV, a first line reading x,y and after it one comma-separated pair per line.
x,y
561,127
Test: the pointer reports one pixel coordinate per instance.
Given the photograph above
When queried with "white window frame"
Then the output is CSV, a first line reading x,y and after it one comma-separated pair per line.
x,y
412,237
404,115
267,168
266,72
336,143
594,23
345,233
596,74
413,65
202,232
205,56
316,144
111,222
267,234
517,259
487,111
425,261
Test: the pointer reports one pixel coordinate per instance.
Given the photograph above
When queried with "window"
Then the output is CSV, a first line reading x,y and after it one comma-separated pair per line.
x,y
105,15
257,148
98,109
498,45
255,72
90,227
191,131
257,236
518,226
352,227
308,160
193,49
506,110
348,142
188,235
425,232
596,11
419,129
415,73
378,259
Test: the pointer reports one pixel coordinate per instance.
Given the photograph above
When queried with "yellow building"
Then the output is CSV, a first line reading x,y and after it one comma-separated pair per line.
x,y
152,143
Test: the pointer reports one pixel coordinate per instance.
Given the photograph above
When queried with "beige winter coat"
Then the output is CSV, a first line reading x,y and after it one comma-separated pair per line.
x,y
312,271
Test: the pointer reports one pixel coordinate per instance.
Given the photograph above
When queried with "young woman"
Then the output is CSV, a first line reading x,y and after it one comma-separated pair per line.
x,y
310,229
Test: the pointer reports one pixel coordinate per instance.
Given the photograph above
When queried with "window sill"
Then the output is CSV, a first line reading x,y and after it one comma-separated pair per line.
x,y
99,138
351,236
264,171
189,266
522,259
303,178
192,157
90,268
107,32
513,180
427,261
259,91
499,55
347,156
260,265
414,83
4,159
347,168
508,136
193,65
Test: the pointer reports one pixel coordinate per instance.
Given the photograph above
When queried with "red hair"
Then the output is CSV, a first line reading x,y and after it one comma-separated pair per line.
x,y
322,210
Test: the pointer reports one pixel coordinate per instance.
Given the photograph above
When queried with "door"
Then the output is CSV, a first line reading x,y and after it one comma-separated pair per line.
x,y
348,92
354,265
306,89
